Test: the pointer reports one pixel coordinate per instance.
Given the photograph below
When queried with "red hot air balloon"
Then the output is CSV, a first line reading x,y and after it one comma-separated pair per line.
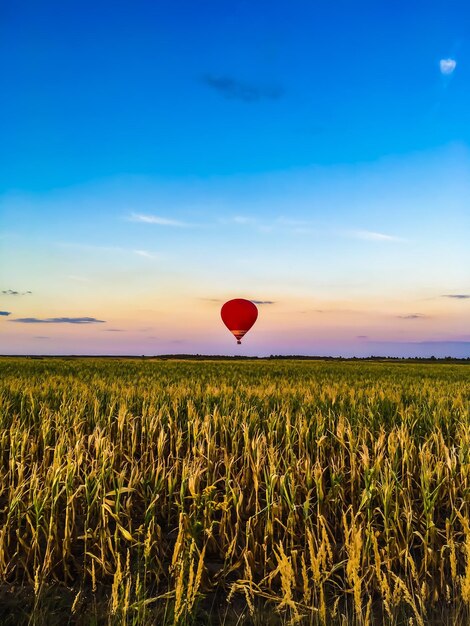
x,y
239,315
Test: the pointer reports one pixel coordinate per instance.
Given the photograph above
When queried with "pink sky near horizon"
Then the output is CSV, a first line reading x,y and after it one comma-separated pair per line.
x,y
194,326
360,260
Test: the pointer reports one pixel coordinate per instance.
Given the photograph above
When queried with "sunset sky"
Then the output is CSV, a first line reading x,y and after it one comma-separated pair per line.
x,y
157,159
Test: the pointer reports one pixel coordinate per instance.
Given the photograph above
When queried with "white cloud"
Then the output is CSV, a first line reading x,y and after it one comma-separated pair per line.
x,y
106,249
242,219
447,66
79,279
303,227
369,235
249,222
145,254
155,219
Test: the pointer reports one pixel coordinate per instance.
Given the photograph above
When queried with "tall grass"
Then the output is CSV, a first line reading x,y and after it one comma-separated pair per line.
x,y
324,491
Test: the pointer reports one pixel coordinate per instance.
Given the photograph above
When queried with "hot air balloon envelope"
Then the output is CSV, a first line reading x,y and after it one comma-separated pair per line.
x,y
239,315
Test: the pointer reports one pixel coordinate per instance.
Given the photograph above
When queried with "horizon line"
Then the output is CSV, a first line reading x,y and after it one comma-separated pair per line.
x,y
186,355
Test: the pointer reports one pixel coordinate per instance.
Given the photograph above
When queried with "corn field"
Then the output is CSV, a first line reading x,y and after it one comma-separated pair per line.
x,y
241,492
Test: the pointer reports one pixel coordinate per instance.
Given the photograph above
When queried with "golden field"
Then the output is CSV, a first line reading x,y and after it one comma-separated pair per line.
x,y
223,492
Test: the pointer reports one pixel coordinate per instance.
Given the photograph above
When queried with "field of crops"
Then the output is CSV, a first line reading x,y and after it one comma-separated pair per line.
x,y
270,492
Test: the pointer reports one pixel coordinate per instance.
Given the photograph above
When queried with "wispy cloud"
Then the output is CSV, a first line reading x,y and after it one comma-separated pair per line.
x,y
370,235
294,226
362,337
243,219
250,222
447,66
158,220
58,320
78,279
5,312
145,254
113,330
336,311
106,249
41,337
234,89
457,296
412,316
297,226
12,292
260,302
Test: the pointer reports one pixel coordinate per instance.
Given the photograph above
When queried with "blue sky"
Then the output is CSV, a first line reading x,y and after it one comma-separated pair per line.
x,y
162,157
